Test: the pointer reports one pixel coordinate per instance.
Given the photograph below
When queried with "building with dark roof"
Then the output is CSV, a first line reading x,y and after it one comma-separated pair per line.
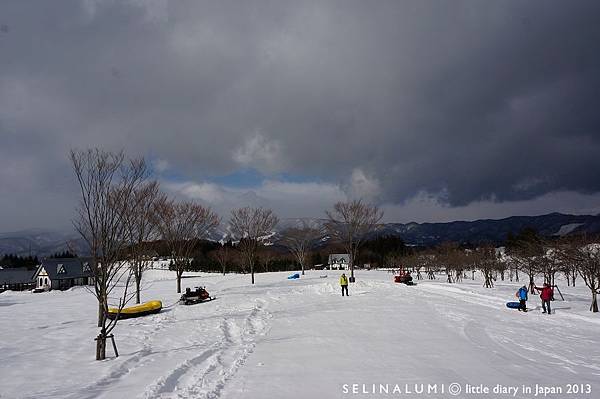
x,y
338,261
63,273
16,279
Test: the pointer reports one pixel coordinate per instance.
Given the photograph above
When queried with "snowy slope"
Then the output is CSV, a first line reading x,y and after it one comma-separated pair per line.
x,y
296,339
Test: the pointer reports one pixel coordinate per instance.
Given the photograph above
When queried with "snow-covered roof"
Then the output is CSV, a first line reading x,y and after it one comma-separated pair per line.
x,y
62,268
339,258
17,275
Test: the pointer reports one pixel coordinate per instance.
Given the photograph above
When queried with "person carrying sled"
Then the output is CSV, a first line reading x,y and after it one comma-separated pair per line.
x,y
546,295
344,284
522,295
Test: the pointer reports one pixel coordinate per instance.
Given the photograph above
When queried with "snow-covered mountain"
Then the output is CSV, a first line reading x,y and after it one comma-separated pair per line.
x,y
485,230
39,242
45,242
492,230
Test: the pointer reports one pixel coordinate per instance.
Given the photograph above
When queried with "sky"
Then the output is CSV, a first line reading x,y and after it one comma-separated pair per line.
x,y
433,110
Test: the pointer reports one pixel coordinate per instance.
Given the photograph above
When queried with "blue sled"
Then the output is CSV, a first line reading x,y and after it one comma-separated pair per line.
x,y
512,305
294,276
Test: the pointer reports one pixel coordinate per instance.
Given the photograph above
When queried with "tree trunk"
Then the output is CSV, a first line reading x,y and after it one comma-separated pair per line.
x,y
179,282
594,306
252,271
302,264
351,260
137,290
100,314
101,347
531,285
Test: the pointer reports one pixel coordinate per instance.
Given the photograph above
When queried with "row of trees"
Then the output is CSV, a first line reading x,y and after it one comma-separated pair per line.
x,y
122,209
571,256
527,253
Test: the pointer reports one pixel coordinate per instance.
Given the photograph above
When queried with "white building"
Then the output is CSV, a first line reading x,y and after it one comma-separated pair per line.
x,y
62,274
160,263
338,261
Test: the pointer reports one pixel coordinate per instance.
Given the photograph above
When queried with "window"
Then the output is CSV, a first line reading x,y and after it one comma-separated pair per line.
x,y
86,267
46,281
41,281
61,269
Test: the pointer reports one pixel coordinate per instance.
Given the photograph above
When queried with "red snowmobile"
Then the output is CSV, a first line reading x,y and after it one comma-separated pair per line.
x,y
404,277
198,295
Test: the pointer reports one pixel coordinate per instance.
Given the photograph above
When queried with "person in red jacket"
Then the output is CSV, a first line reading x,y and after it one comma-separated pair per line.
x,y
546,295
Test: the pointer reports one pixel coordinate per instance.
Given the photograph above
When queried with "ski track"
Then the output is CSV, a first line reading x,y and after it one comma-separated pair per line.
x,y
205,376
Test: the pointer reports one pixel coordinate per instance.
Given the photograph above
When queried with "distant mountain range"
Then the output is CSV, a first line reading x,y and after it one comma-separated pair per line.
x,y
492,230
40,242
46,242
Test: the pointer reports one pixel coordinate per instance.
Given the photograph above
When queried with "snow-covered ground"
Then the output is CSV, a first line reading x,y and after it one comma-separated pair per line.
x,y
300,339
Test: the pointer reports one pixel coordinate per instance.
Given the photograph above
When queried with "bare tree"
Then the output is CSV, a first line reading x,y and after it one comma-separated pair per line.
x,y
449,257
585,254
529,256
299,241
236,260
181,225
222,255
141,228
250,226
416,261
349,223
265,256
485,258
552,261
107,182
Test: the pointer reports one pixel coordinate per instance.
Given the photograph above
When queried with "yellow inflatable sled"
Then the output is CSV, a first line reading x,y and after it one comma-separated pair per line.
x,y
136,311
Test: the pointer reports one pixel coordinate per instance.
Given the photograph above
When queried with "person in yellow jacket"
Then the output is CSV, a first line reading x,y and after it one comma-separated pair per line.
x,y
344,284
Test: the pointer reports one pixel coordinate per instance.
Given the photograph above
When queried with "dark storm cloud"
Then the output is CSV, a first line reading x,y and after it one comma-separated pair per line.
x,y
465,100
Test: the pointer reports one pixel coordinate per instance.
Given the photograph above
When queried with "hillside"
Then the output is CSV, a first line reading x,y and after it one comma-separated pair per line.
x,y
45,242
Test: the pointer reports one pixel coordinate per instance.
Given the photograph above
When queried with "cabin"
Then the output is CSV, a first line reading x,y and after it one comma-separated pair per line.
x,y
16,279
62,274
338,261
160,263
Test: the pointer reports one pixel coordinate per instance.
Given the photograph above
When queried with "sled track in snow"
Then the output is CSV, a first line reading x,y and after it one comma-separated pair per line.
x,y
205,376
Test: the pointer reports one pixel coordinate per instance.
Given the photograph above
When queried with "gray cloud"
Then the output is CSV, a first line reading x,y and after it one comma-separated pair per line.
x,y
471,102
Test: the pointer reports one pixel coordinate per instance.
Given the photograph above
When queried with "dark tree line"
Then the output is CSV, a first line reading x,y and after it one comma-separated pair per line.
x,y
383,250
64,254
13,261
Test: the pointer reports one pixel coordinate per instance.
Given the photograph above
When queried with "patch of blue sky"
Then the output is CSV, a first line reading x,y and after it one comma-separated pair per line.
x,y
244,178
241,178
172,175
250,177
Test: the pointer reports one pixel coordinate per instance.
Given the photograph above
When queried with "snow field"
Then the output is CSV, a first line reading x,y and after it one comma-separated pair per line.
x,y
296,339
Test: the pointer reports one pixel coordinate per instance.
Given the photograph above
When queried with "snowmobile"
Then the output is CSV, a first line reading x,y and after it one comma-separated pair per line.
x,y
198,295
404,277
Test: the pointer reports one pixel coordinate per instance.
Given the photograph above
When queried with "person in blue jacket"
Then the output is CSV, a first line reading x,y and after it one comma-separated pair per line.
x,y
522,295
